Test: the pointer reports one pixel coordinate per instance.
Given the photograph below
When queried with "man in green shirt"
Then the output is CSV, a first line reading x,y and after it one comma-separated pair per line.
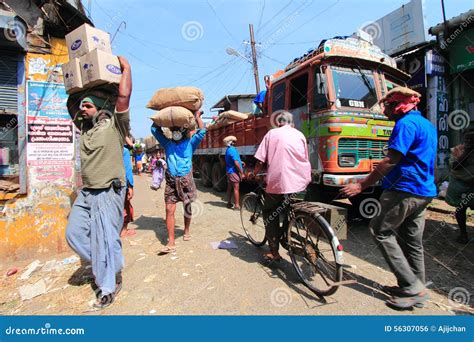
x,y
96,217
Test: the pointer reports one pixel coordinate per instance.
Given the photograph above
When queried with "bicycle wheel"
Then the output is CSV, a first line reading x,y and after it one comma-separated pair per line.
x,y
314,253
251,215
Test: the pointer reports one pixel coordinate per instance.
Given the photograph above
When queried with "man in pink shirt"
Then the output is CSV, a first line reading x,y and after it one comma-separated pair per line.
x,y
285,152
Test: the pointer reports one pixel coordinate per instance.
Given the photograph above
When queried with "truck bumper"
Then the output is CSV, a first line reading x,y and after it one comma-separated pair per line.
x,y
341,180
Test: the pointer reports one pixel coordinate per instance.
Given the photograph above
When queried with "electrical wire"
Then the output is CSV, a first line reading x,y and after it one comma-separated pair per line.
x,y
220,21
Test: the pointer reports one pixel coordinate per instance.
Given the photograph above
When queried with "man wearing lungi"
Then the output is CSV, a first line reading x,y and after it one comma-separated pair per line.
x,y
180,185
96,216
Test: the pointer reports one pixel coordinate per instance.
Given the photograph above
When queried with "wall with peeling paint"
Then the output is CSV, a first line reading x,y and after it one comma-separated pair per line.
x,y
33,226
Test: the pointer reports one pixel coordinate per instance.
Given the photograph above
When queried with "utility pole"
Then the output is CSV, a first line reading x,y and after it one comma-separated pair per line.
x,y
254,59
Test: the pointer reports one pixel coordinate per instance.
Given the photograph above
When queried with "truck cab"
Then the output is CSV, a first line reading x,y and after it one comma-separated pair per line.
x,y
333,93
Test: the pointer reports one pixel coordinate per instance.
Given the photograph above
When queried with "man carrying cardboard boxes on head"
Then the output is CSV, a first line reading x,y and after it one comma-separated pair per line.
x,y
96,216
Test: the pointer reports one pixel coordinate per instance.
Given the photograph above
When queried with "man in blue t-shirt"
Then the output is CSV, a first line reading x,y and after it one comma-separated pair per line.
x,y
408,183
180,185
235,171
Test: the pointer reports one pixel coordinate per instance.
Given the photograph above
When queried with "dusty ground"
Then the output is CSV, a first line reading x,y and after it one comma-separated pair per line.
x,y
201,280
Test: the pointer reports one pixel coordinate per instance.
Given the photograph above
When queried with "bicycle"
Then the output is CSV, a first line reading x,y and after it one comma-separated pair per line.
x,y
314,248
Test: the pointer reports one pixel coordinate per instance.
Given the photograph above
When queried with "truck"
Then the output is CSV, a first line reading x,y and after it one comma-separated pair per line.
x,y
333,93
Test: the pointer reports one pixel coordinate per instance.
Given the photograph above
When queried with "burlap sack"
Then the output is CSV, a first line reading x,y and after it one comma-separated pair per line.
x,y
174,117
221,123
187,97
234,115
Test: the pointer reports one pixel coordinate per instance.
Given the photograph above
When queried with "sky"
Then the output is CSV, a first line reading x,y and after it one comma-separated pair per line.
x,y
184,42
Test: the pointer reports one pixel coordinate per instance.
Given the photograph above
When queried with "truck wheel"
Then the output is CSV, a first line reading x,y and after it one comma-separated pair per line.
x,y
206,172
219,180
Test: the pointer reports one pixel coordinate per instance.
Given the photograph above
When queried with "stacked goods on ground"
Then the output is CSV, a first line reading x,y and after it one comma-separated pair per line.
x,y
176,106
91,62
227,118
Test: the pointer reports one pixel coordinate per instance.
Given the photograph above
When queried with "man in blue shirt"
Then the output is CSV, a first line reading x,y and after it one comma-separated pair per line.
x,y
259,100
408,183
234,170
180,185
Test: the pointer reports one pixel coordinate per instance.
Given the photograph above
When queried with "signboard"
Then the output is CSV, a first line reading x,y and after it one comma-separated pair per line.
x,y
442,109
400,29
47,100
50,139
461,53
435,65
50,135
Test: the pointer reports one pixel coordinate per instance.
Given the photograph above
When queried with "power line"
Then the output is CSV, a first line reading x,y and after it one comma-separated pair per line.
x,y
276,15
308,21
220,21
261,15
274,60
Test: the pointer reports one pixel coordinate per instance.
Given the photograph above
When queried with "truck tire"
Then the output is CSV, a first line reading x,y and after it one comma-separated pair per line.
x,y
206,173
219,180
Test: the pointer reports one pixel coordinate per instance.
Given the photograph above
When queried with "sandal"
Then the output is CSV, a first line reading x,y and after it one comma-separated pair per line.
x,y
230,205
105,301
167,250
187,237
404,303
127,232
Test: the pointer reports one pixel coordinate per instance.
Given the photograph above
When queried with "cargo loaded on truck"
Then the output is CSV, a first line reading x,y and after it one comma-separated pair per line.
x,y
332,92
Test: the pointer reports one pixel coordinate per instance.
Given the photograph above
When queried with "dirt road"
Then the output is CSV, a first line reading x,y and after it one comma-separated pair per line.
x,y
199,280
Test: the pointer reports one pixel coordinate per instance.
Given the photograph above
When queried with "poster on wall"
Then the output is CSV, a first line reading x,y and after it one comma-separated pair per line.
x,y
47,67
50,135
47,99
50,139
58,172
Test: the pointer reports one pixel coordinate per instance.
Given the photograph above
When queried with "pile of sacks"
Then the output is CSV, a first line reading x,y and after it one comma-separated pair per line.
x,y
176,106
227,118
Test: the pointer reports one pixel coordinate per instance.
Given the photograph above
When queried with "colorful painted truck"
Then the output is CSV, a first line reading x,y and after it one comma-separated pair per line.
x,y
332,92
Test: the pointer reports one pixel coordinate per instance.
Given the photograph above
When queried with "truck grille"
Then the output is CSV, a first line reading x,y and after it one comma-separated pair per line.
x,y
362,148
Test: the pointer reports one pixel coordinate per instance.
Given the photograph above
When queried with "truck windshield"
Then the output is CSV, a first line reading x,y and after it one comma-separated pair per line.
x,y
354,87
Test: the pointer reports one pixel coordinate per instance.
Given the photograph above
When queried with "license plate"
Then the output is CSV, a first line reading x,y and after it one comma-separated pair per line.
x,y
384,132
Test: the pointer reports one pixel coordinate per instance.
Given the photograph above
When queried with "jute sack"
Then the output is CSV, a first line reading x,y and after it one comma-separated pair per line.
x,y
174,117
187,97
234,115
221,123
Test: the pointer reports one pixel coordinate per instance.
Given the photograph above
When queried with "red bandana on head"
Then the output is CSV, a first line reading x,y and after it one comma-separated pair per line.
x,y
405,102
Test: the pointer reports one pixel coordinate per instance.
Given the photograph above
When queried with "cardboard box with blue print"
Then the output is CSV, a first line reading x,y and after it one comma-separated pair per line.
x,y
98,67
72,76
85,39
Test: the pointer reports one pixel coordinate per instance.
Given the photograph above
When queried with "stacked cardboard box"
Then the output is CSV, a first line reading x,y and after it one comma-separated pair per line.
x,y
91,62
